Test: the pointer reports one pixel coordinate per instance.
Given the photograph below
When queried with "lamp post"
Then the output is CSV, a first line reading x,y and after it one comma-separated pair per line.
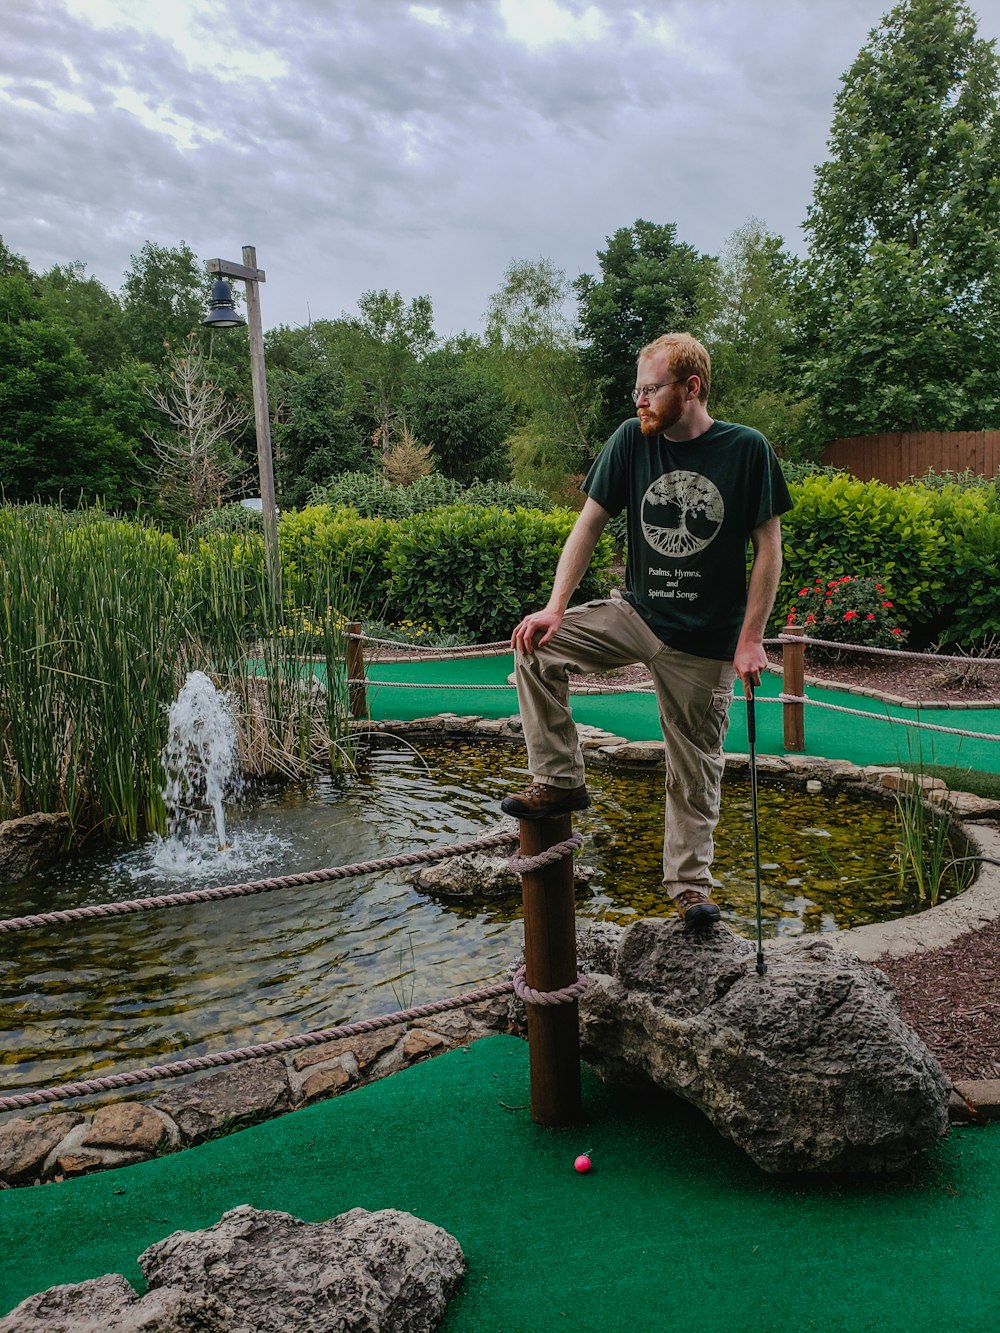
x,y
223,315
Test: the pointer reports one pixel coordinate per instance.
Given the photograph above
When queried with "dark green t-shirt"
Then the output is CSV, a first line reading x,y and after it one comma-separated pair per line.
x,y
691,509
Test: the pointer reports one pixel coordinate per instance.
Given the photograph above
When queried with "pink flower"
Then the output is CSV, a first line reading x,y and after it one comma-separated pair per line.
x,y
850,615
887,603
871,615
895,631
810,619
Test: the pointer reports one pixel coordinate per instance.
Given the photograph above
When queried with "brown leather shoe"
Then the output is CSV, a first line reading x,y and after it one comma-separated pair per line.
x,y
540,801
696,909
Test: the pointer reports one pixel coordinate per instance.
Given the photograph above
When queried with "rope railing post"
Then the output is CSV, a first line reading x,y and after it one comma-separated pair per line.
x,y
549,965
793,672
357,695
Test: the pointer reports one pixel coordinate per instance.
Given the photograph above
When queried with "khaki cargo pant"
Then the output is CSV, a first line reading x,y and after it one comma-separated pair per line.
x,y
694,695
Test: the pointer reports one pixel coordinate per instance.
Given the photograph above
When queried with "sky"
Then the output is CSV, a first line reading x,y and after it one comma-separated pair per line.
x,y
420,147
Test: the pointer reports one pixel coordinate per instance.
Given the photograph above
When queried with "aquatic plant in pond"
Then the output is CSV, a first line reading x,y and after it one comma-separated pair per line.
x,y
100,622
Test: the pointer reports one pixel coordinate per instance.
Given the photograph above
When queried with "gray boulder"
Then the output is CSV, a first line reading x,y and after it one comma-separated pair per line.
x,y
807,1068
109,1305
475,875
359,1271
269,1272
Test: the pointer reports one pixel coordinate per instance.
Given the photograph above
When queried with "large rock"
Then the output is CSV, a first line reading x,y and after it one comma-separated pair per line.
x,y
269,1272
360,1271
30,843
809,1067
475,875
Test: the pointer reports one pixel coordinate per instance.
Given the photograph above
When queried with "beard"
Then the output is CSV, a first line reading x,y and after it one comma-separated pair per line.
x,y
653,421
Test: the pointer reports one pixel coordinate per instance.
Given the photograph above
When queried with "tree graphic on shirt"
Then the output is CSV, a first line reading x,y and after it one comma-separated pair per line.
x,y
681,513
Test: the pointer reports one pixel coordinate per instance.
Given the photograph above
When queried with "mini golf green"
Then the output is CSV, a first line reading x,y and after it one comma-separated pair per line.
x,y
673,1228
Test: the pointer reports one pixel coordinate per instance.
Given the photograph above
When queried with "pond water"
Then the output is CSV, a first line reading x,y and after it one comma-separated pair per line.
x,y
144,989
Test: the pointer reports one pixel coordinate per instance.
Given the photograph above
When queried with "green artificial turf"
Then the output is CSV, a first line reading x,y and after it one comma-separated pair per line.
x,y
880,739
673,1228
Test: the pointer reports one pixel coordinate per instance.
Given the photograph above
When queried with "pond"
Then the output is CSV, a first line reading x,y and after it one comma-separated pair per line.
x,y
145,989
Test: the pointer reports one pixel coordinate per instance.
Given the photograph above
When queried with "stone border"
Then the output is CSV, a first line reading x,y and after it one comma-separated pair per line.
x,y
57,1144
60,1143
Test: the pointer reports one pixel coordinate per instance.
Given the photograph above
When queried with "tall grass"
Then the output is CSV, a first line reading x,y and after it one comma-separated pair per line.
x,y
100,621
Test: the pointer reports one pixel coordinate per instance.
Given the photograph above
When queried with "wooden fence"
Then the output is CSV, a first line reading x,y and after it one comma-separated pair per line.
x,y
897,456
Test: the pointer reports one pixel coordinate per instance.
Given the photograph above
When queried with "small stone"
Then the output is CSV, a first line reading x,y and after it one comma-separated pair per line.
x,y
126,1125
257,1089
420,1042
366,1049
814,787
327,1083
26,1143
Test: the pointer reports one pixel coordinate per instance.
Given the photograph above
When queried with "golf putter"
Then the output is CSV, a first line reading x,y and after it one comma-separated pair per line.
x,y
752,739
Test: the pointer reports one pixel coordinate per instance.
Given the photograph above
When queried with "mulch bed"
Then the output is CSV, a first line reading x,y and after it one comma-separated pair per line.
x,y
951,998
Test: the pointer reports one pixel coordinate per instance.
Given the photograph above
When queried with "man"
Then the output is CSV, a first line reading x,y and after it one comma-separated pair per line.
x,y
696,492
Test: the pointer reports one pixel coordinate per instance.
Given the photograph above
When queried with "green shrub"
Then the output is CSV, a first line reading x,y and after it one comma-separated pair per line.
x,y
794,470
228,518
891,534
968,610
506,495
320,543
475,572
373,497
847,610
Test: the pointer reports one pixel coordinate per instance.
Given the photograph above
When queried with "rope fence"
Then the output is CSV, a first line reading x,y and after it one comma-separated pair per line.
x,y
553,1105
793,697
525,865
222,891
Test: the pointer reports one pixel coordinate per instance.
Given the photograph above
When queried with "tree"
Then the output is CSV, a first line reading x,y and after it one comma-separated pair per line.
x,y
55,444
163,298
11,263
197,462
90,314
460,410
318,435
650,284
900,294
390,339
750,335
532,348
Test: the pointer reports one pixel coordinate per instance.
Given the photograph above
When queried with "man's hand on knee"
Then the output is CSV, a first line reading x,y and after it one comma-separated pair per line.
x,y
535,630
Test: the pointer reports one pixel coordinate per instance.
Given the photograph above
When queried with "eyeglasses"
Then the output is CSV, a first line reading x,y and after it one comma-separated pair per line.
x,y
650,390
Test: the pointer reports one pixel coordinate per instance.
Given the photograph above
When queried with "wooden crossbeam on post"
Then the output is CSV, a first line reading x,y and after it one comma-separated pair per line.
x,y
357,694
793,682
550,964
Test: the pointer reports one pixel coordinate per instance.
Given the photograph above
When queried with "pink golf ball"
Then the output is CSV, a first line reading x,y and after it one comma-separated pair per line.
x,y
582,1164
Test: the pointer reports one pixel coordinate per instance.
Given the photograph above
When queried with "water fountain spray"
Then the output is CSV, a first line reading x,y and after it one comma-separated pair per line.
x,y
199,759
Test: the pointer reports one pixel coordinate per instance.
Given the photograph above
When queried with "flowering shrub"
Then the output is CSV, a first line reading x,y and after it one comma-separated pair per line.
x,y
849,610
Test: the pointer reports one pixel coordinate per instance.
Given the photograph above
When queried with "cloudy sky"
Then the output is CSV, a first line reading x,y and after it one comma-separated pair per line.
x,y
416,146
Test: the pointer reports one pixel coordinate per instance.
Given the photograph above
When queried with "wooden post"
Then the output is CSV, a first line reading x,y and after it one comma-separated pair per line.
x,y
793,677
357,695
550,964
